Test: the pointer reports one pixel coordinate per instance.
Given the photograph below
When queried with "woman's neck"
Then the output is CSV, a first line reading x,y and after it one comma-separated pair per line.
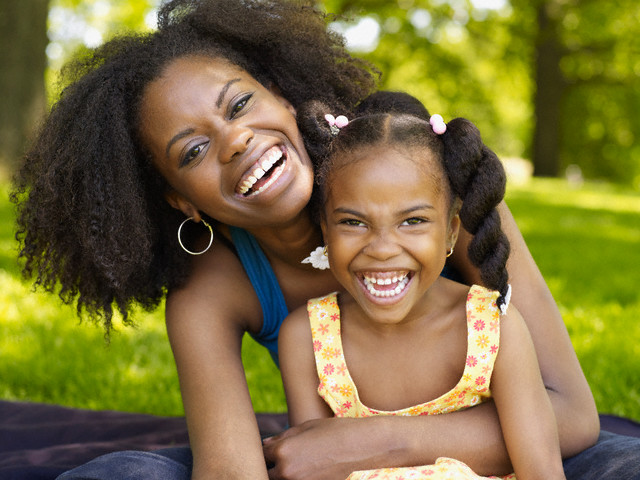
x,y
289,243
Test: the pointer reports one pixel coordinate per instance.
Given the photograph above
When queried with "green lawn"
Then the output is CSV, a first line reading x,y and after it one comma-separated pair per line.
x,y
585,241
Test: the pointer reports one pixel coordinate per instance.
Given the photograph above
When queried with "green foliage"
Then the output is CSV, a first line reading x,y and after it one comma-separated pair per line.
x,y
461,60
584,240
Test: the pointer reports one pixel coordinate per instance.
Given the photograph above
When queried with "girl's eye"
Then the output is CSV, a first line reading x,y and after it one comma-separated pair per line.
x,y
239,105
413,221
193,154
352,222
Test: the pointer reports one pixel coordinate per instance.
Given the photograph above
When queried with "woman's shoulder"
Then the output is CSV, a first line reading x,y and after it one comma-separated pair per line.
x,y
218,286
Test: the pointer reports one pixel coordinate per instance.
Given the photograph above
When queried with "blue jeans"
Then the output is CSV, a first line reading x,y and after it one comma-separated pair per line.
x,y
613,457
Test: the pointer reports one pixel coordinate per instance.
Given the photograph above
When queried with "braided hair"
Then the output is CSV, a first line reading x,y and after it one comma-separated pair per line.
x,y
473,172
92,221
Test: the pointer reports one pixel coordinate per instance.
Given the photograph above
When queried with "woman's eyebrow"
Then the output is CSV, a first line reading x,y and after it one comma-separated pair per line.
x,y
177,137
224,90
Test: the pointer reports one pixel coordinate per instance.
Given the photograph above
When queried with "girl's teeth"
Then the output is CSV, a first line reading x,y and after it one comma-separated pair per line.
x,y
370,283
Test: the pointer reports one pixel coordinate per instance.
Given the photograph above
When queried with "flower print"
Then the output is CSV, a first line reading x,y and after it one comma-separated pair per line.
x,y
323,382
329,352
325,301
324,328
479,325
341,370
482,341
484,358
330,338
480,308
480,380
494,325
347,405
466,377
486,369
328,369
335,316
472,361
494,349
317,345
346,390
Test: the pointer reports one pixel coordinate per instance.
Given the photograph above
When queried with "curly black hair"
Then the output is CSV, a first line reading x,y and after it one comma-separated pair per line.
x,y
475,174
92,221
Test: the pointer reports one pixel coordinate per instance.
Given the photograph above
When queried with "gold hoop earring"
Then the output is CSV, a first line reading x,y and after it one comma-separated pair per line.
x,y
185,248
450,252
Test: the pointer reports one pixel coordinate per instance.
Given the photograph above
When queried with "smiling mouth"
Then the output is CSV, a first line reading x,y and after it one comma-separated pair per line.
x,y
386,285
264,173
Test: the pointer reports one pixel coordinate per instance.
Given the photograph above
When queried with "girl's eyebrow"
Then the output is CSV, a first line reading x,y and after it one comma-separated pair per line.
x,y
224,90
189,131
348,211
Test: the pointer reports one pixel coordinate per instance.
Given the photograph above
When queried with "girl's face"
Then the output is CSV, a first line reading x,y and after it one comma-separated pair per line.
x,y
387,227
226,145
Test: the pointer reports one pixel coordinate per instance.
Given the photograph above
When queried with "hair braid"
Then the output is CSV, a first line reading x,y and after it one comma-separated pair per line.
x,y
478,178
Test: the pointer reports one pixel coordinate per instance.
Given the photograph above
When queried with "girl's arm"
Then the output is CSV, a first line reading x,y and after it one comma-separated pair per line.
x,y
567,387
298,369
206,320
526,416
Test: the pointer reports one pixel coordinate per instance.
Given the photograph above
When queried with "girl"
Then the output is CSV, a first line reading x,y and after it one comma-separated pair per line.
x,y
394,191
160,129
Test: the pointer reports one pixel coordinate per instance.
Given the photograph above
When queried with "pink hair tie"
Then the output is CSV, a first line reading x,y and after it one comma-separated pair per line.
x,y
438,125
336,123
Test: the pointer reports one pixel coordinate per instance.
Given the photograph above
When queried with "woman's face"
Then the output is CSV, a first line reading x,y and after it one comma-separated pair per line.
x,y
226,145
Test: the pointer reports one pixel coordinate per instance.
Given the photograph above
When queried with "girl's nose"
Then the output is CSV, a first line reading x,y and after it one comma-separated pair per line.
x,y
235,142
383,246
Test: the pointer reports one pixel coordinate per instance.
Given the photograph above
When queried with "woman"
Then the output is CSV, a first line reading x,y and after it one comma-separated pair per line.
x,y
197,121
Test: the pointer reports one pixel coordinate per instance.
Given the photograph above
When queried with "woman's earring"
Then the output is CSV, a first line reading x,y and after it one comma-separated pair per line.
x,y
319,258
185,248
450,252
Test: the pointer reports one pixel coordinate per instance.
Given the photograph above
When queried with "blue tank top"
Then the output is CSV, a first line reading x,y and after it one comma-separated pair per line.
x,y
265,284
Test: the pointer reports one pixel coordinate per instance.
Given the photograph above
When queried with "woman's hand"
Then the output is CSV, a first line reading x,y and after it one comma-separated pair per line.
x,y
323,449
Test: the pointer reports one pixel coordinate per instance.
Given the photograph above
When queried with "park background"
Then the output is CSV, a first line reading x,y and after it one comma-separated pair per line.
x,y
554,85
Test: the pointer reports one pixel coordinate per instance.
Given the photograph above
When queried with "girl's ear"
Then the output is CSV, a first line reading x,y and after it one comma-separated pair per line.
x,y
177,201
454,224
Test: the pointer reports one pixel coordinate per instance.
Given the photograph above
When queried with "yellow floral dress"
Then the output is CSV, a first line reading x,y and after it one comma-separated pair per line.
x,y
337,388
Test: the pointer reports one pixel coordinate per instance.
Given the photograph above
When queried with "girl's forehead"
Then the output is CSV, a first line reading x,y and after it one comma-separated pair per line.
x,y
381,157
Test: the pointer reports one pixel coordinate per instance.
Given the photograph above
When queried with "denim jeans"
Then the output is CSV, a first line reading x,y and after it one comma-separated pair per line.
x,y
614,457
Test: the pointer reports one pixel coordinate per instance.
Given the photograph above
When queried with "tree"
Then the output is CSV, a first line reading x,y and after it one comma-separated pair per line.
x,y
23,37
23,60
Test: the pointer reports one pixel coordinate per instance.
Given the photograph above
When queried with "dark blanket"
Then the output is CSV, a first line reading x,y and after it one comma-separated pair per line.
x,y
39,441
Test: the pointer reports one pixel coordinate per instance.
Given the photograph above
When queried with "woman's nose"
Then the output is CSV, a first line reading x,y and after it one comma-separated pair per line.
x,y
235,142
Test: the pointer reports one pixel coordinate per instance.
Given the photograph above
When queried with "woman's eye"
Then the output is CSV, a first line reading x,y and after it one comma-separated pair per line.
x,y
193,154
239,105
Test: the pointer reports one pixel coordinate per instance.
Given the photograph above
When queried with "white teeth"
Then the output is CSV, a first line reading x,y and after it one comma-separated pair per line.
x,y
263,165
401,281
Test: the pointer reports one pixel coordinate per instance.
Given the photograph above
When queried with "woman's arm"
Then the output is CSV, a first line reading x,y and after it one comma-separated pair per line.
x,y
524,408
573,404
206,320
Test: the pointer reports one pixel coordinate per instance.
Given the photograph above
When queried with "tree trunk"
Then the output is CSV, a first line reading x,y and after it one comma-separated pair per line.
x,y
549,94
23,40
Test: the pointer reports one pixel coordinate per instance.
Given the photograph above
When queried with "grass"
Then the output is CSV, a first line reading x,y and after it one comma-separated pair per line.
x,y
585,241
